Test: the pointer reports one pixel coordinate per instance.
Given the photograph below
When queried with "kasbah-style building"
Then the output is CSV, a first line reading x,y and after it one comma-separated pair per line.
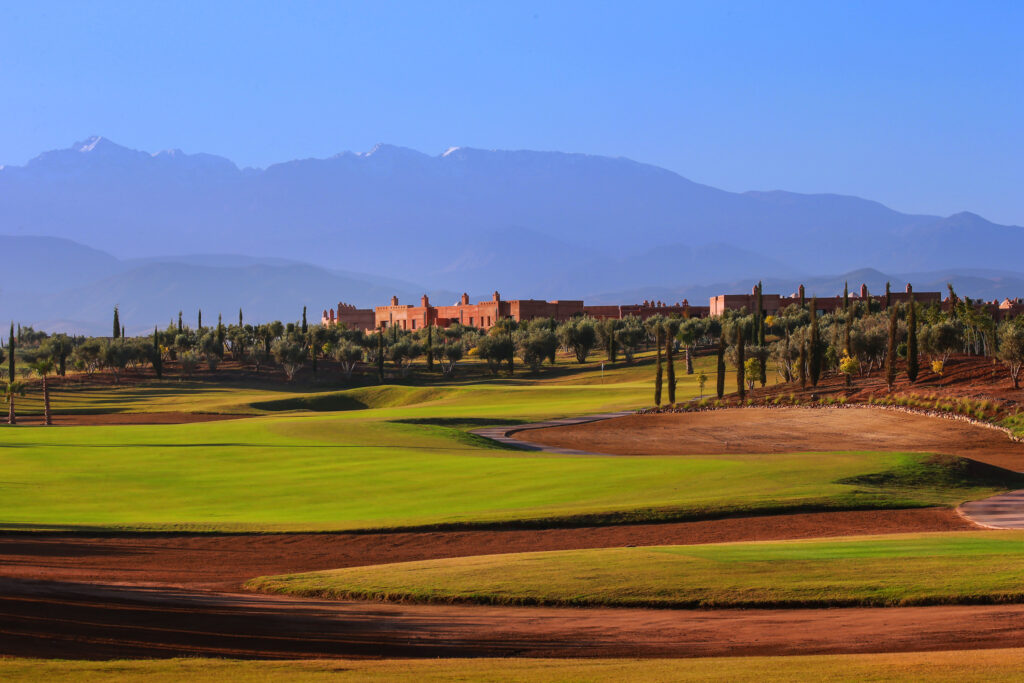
x,y
484,314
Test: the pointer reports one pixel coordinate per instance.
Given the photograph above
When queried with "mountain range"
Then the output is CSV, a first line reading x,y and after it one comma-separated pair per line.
x,y
359,227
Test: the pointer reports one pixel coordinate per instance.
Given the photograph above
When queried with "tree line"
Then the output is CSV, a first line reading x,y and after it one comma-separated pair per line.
x,y
853,341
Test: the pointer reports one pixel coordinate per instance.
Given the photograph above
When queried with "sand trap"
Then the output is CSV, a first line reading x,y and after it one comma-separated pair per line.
x,y
783,430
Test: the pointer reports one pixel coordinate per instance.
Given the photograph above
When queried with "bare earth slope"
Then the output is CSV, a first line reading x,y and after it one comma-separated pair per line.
x,y
783,430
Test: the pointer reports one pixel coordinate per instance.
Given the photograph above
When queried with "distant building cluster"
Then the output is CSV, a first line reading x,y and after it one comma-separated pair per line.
x,y
484,314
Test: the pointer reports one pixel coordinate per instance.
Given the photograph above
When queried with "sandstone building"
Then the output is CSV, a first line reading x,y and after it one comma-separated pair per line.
x,y
484,314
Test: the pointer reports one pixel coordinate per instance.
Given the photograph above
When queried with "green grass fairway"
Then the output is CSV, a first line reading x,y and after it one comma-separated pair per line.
x,y
929,667
906,569
400,456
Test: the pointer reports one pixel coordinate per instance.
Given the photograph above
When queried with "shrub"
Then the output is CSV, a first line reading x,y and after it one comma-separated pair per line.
x,y
937,367
189,362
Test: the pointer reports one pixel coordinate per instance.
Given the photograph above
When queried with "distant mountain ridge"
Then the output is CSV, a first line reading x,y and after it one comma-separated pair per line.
x,y
51,289
359,227
472,219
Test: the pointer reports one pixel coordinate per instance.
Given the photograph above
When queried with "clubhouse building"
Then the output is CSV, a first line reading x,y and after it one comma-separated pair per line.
x,y
484,314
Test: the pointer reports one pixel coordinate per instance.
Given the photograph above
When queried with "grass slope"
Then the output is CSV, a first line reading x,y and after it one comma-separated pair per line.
x,y
406,460
905,569
929,667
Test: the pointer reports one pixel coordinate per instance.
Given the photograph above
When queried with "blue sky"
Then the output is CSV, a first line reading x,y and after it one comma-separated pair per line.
x,y
915,104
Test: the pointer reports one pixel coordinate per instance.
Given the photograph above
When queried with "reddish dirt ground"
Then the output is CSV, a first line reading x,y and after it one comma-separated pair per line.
x,y
112,596
783,430
224,562
963,376
99,622
167,418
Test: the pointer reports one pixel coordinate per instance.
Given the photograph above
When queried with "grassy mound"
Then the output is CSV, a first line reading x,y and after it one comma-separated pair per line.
x,y
387,396
906,569
938,472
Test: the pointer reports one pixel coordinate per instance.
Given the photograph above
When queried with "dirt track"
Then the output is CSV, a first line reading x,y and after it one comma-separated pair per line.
x,y
97,622
782,430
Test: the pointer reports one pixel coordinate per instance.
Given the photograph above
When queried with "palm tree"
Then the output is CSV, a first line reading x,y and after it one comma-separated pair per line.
x,y
11,389
43,367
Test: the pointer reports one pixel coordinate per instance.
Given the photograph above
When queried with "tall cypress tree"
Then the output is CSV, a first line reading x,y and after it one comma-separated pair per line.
x,y
181,326
200,319
117,324
815,349
11,346
888,296
912,357
847,327
741,341
221,335
158,361
846,295
803,365
786,368
890,354
759,321
430,346
380,354
670,363
304,327
657,368
720,367
763,374
240,317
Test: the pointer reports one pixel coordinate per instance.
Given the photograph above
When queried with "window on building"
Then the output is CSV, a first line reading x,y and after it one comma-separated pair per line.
x,y
414,324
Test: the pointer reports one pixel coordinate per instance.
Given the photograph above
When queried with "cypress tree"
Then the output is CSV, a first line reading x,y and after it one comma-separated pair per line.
x,y
741,340
720,368
430,346
890,354
240,317
846,332
786,370
158,361
671,366
846,295
867,301
657,369
380,355
200,319
803,365
220,339
117,324
888,296
912,356
11,346
122,330
760,316
304,327
815,344
763,374
181,327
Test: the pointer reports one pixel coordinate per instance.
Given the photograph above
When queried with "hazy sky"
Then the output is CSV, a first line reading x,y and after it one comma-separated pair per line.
x,y
915,104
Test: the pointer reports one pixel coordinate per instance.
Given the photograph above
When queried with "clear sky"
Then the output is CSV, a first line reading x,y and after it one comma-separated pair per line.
x,y
915,104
